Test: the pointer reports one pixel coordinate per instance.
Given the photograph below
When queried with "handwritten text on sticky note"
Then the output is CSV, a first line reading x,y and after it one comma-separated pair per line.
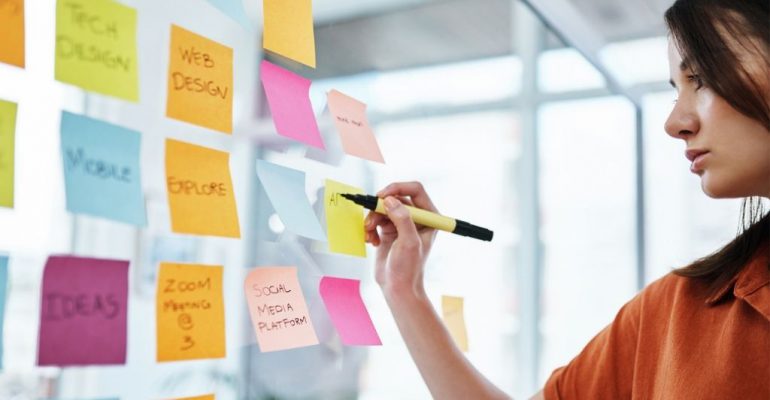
x,y
12,32
83,312
349,117
347,311
278,311
288,95
200,81
200,191
101,169
289,29
190,312
96,47
344,220
7,151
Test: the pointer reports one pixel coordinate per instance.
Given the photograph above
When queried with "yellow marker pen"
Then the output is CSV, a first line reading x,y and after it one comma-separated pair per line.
x,y
424,218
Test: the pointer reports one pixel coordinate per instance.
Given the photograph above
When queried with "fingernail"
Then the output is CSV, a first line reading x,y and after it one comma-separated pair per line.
x,y
390,203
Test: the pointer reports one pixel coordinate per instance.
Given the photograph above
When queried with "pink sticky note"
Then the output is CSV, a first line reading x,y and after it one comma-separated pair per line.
x,y
278,310
288,95
83,312
348,312
349,117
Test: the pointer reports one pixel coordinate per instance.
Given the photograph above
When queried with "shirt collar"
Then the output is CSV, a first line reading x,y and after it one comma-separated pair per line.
x,y
746,283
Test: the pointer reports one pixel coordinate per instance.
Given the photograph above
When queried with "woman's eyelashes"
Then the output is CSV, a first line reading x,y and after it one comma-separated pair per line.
x,y
697,79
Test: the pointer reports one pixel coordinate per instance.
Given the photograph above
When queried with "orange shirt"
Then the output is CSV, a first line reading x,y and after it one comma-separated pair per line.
x,y
672,342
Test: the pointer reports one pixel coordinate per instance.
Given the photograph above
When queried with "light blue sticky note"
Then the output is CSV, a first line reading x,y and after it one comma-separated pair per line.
x,y
101,169
3,294
285,188
234,9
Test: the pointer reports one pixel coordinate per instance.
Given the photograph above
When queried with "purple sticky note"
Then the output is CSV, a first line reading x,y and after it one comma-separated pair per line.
x,y
288,95
83,312
348,312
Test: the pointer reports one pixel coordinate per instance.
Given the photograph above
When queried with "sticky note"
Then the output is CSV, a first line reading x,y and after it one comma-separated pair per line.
x,y
190,312
101,169
278,311
96,47
347,311
289,29
3,294
285,188
83,312
288,96
452,310
204,397
233,9
7,151
356,134
344,220
200,191
12,32
200,81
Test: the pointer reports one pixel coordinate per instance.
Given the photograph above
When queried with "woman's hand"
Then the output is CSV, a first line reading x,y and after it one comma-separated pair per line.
x,y
402,246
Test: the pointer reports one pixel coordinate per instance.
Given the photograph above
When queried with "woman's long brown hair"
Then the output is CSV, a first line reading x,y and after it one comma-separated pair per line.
x,y
712,35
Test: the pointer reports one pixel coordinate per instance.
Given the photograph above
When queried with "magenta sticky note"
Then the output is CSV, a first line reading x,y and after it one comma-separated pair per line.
x,y
288,95
83,312
348,313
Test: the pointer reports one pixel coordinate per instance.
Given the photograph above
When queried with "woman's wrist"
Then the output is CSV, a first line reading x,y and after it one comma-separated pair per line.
x,y
404,296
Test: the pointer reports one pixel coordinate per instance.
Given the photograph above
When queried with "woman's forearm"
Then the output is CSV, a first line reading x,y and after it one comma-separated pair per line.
x,y
446,371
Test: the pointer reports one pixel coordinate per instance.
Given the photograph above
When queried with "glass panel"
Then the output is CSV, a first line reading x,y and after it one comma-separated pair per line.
x,y
587,196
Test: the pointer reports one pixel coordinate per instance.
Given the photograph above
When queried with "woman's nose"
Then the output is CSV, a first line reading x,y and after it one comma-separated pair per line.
x,y
682,122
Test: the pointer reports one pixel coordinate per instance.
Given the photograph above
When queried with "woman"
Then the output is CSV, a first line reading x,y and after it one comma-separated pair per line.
x,y
700,332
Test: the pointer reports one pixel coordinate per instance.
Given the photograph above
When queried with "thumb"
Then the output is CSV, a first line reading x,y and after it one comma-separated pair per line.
x,y
397,212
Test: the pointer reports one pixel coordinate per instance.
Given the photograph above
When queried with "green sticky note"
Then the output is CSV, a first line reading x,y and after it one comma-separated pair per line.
x,y
7,133
96,47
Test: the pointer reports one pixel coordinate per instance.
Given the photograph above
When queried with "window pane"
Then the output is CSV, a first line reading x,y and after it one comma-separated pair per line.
x,y
587,197
465,162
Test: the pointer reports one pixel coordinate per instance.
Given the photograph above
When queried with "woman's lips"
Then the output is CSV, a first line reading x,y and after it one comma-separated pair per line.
x,y
697,158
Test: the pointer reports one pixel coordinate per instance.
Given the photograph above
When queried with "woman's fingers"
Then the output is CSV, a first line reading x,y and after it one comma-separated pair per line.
x,y
399,215
414,190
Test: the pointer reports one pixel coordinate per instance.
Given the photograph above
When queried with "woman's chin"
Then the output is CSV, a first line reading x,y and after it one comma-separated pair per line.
x,y
718,187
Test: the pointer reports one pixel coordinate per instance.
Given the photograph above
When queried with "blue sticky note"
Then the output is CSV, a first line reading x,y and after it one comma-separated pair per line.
x,y
234,9
3,293
285,188
101,169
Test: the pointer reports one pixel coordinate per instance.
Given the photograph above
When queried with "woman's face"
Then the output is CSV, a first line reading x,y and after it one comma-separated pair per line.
x,y
728,150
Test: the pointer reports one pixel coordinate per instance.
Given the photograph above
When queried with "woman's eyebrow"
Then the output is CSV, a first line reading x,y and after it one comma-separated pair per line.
x,y
671,82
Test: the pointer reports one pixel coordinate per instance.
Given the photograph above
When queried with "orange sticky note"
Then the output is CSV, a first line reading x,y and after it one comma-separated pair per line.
x,y
205,397
349,117
452,311
12,32
200,191
289,29
190,312
278,310
200,81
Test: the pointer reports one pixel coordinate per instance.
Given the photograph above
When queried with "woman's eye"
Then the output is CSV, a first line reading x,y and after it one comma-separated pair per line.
x,y
697,79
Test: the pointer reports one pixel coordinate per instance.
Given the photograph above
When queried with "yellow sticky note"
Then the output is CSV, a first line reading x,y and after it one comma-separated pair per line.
x,y
96,47
289,29
344,220
200,81
190,312
200,191
7,135
12,32
452,310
